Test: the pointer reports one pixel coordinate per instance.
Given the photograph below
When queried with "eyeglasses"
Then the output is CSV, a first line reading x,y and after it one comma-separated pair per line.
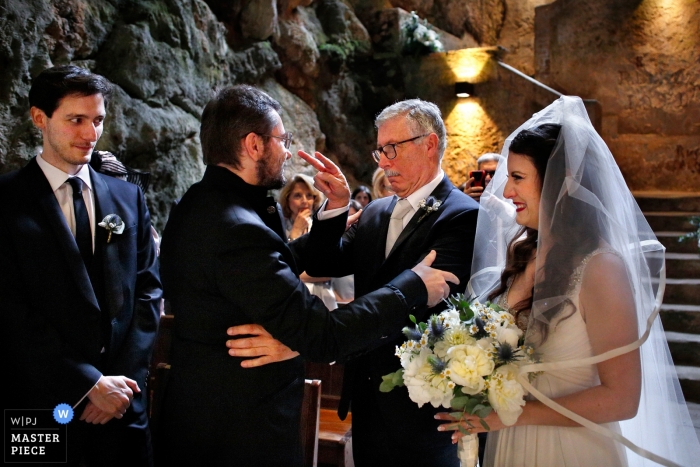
x,y
490,172
287,138
389,150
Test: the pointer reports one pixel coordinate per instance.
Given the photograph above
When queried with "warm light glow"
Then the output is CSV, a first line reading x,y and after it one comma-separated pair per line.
x,y
470,133
462,94
470,65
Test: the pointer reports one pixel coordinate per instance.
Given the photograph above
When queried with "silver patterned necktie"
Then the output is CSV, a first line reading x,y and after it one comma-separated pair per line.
x,y
402,208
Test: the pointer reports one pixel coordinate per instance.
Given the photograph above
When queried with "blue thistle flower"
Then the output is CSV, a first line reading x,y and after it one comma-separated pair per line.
x,y
436,364
413,333
436,326
505,353
481,328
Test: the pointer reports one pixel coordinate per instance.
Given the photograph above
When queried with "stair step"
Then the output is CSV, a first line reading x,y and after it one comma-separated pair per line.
x,y
683,291
690,383
670,241
683,265
670,220
667,201
694,410
685,348
681,318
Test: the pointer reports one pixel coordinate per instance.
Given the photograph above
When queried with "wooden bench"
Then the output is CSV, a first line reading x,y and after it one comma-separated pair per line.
x,y
335,435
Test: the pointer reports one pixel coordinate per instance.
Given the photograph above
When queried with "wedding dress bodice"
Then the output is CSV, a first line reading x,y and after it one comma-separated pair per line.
x,y
536,445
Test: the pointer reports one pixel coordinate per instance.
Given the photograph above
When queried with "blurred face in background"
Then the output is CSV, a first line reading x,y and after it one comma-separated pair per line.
x,y
300,199
362,198
490,168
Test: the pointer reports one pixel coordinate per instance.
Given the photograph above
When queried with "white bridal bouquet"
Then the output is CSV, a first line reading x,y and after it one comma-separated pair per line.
x,y
466,358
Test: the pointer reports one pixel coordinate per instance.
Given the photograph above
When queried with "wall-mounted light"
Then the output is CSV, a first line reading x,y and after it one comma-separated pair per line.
x,y
464,89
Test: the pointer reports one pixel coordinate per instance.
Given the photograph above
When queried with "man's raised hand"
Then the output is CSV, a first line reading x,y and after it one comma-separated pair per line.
x,y
329,180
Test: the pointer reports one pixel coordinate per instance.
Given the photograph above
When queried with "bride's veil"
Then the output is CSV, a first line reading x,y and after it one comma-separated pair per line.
x,y
585,205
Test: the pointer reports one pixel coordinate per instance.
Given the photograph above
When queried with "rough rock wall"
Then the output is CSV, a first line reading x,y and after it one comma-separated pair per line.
x,y
334,64
165,58
641,60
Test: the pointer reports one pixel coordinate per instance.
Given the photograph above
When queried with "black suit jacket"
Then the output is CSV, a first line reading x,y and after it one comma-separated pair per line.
x,y
56,315
225,261
361,251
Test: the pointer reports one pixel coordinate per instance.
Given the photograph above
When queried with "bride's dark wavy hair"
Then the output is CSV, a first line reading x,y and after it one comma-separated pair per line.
x,y
573,231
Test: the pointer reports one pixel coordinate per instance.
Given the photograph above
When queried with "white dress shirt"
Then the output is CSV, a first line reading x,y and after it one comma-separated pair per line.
x,y
414,198
64,193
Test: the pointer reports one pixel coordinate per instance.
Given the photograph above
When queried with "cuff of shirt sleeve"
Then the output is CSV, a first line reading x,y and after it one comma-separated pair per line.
x,y
322,214
411,287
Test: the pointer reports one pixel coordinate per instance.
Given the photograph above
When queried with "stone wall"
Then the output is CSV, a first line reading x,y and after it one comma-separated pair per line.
x,y
334,64
641,61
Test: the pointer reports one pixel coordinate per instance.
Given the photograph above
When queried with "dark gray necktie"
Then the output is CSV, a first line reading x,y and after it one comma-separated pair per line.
x,y
83,233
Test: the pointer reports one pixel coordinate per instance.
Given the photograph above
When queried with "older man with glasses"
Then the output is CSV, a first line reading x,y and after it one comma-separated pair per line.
x,y
426,213
226,260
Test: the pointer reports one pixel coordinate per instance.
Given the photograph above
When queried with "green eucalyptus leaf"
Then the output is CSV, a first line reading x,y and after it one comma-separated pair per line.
x,y
484,412
388,381
386,386
469,406
477,408
458,403
397,378
412,318
484,424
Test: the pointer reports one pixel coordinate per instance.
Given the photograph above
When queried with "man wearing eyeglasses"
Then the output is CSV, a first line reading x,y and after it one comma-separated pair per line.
x,y
394,233
225,261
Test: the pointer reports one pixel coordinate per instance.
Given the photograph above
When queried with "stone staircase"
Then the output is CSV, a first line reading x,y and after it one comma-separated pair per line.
x,y
668,214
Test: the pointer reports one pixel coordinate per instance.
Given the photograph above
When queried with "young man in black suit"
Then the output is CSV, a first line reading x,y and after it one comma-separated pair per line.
x,y
79,299
225,260
427,214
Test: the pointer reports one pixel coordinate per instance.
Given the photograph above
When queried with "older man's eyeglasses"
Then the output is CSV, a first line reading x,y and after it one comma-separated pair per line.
x,y
286,138
389,150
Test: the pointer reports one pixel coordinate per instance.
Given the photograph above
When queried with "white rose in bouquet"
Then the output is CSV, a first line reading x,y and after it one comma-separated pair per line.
x,y
458,335
424,384
508,333
506,394
467,366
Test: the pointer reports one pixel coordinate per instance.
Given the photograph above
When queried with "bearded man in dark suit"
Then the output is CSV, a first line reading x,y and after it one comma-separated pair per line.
x,y
79,298
427,214
225,260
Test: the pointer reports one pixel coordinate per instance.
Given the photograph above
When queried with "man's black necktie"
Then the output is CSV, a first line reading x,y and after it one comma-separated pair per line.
x,y
83,234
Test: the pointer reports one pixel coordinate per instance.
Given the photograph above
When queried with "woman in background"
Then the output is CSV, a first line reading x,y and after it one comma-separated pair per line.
x,y
300,200
362,195
381,188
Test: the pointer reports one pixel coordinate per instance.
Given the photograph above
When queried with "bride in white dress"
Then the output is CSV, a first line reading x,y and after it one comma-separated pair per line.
x,y
562,244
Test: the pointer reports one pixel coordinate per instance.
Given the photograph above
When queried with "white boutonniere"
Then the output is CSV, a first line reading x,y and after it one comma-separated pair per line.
x,y
428,205
114,225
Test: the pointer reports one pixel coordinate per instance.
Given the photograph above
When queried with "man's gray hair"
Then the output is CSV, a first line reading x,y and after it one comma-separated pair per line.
x,y
488,157
422,117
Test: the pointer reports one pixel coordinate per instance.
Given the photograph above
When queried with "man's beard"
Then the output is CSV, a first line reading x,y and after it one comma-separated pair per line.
x,y
270,176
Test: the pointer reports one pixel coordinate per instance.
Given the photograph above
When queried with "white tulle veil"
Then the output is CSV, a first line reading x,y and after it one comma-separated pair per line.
x,y
585,204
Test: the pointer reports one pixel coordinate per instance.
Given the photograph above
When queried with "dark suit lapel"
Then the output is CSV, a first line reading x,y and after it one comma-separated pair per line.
x,y
107,254
441,192
39,186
